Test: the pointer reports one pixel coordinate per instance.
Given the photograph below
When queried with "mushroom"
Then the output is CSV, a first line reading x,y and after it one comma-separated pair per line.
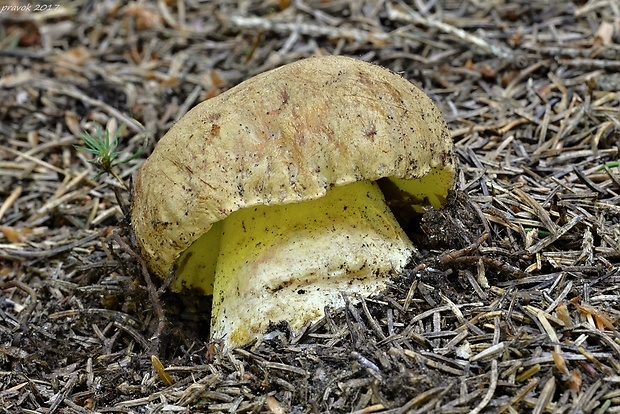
x,y
275,196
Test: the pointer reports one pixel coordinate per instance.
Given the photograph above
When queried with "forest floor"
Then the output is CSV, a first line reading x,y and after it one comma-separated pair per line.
x,y
513,306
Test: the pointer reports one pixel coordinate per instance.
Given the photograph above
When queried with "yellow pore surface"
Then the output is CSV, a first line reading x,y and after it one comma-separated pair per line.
x,y
430,189
196,267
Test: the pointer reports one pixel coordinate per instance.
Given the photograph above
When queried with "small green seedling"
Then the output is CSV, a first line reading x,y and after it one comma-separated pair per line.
x,y
104,149
611,164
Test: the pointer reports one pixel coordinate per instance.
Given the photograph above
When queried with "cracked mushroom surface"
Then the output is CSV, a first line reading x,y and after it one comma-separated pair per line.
x,y
273,196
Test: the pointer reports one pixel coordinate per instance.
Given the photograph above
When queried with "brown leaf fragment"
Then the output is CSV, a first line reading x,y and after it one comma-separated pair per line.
x,y
15,235
28,32
159,368
591,358
560,362
508,76
515,39
144,18
562,313
588,368
216,79
601,319
574,382
77,56
604,34
488,72
73,123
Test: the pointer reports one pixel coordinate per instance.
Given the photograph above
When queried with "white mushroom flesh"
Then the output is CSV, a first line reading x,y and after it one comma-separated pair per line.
x,y
287,262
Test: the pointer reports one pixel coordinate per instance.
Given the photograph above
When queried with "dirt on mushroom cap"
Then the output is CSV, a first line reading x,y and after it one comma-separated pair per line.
x,y
282,137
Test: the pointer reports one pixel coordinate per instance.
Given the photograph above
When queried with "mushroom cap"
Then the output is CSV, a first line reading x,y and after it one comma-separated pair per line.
x,y
282,137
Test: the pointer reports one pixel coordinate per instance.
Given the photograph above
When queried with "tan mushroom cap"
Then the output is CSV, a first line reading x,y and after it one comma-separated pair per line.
x,y
283,137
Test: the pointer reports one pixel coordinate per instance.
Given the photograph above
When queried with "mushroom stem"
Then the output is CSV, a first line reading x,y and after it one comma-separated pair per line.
x,y
287,262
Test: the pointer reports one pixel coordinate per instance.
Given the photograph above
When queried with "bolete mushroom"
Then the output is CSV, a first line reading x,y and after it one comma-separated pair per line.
x,y
269,196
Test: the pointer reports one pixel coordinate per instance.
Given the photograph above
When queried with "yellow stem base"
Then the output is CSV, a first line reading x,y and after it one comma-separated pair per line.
x,y
288,262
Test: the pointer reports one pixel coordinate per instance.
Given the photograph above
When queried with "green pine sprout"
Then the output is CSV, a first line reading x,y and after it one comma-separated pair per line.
x,y
103,148
611,164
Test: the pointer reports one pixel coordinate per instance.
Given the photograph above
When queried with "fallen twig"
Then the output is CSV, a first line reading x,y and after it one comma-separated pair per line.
x,y
411,16
150,287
